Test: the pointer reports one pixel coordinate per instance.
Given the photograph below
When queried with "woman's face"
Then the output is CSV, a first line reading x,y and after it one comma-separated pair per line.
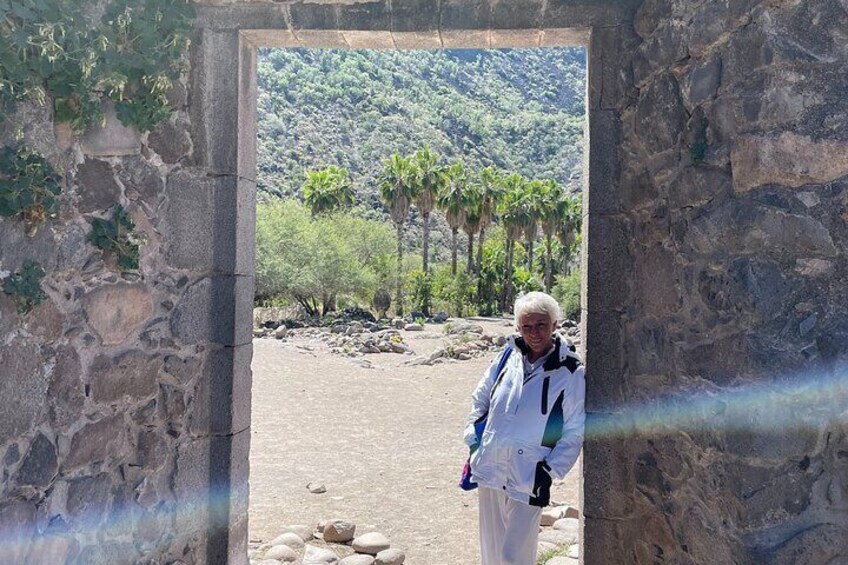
x,y
537,331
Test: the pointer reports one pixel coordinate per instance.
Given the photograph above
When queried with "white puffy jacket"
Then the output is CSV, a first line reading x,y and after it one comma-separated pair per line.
x,y
532,427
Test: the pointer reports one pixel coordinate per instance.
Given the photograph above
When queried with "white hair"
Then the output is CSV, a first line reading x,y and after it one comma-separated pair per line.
x,y
537,303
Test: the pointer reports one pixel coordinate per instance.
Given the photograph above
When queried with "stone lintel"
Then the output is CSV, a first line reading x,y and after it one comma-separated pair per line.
x,y
417,40
369,39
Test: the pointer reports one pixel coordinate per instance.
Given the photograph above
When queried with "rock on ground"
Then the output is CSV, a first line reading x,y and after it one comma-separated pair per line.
x,y
371,543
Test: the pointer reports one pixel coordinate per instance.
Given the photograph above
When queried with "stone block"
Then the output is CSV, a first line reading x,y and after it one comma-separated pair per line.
x,y
660,116
244,16
170,140
98,190
96,442
22,378
517,14
786,159
604,359
515,38
416,16
369,39
605,191
658,280
211,488
416,40
209,222
141,180
215,309
132,375
463,39
465,15
39,465
608,485
586,13
313,16
88,500
110,138
368,15
321,39
604,84
704,81
221,399
247,120
609,263
115,312
17,246
49,549
214,96
568,37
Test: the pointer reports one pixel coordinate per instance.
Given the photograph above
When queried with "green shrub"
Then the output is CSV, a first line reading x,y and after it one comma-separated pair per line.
x,y
567,293
29,186
25,286
420,289
454,294
117,236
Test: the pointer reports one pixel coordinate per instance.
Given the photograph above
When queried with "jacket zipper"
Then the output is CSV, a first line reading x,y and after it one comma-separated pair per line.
x,y
545,385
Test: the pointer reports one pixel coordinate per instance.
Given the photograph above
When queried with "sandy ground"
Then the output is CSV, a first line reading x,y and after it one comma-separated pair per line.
x,y
385,441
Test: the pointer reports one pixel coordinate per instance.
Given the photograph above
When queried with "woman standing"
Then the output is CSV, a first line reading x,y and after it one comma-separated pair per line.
x,y
531,398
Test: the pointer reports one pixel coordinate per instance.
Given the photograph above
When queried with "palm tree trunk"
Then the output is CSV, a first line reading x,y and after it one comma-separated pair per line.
x,y
399,286
549,264
506,292
479,267
470,267
453,251
426,245
530,255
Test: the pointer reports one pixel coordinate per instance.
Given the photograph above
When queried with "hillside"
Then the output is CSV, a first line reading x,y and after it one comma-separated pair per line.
x,y
521,110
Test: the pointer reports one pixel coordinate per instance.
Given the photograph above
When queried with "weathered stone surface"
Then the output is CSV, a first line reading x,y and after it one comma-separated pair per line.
x,y
22,378
20,517
98,189
787,159
133,375
661,98
217,309
111,138
141,179
170,141
115,312
96,442
65,392
39,465
88,498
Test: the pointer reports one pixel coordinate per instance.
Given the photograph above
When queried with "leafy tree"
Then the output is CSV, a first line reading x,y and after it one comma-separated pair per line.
x,y
397,182
472,214
313,261
328,190
531,208
451,202
491,188
556,214
567,293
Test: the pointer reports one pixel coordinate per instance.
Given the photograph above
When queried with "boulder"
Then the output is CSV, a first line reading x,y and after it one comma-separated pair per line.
x,y
371,543
339,531
304,531
357,559
281,332
290,539
390,556
413,327
441,317
314,555
552,514
282,553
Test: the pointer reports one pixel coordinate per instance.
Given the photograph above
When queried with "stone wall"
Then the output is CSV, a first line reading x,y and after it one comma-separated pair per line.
x,y
717,196
720,321
118,437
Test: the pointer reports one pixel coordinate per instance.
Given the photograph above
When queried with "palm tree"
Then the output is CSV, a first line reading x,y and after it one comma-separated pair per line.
x,y
491,188
327,190
396,184
450,201
472,208
569,232
556,207
511,211
532,208
430,178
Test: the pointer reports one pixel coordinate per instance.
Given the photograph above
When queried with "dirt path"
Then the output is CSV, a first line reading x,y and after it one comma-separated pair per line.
x,y
385,441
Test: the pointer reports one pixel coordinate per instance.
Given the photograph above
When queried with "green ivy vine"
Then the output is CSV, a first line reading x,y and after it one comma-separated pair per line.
x,y
132,55
29,186
117,236
24,286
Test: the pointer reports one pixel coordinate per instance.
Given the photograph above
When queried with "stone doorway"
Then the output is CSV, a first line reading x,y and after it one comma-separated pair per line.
x,y
223,97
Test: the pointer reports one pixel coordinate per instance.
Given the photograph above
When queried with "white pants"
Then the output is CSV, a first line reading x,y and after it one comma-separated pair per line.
x,y
509,530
